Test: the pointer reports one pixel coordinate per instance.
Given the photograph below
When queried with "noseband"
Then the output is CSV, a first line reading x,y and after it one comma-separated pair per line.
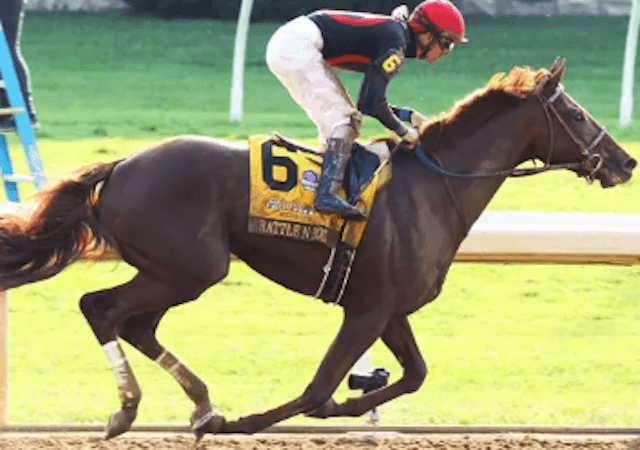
x,y
589,166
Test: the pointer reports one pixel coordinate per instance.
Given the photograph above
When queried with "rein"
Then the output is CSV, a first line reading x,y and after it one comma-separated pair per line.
x,y
588,152
429,161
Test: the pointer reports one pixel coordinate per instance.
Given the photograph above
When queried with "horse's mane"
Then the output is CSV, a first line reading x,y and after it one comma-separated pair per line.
x,y
502,91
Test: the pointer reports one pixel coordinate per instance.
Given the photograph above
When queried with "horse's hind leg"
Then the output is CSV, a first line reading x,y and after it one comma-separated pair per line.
x,y
101,311
140,331
108,312
399,337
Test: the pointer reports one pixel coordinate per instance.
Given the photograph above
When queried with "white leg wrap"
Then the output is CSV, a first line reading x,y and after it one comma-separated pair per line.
x,y
115,354
174,366
118,362
127,385
169,362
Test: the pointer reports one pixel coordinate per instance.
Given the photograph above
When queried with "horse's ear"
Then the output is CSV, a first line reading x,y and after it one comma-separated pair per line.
x,y
558,68
557,71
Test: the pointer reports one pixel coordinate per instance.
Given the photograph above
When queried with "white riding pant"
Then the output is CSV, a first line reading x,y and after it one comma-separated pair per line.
x,y
294,55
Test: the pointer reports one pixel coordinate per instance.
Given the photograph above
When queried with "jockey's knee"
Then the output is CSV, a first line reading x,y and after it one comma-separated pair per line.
x,y
348,131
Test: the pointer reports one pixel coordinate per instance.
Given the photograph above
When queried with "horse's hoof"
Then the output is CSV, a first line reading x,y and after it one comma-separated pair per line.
x,y
208,423
119,422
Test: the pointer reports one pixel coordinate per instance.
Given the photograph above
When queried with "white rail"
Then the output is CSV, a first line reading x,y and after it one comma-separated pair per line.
x,y
557,238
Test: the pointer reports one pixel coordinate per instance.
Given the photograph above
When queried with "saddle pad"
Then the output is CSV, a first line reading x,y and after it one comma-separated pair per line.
x,y
283,187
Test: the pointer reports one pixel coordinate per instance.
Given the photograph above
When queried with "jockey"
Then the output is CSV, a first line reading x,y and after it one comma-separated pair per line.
x,y
302,52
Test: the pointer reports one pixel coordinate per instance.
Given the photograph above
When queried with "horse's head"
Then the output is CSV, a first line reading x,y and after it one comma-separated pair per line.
x,y
577,139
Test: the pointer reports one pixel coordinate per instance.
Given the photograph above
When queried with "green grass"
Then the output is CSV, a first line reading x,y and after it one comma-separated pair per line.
x,y
505,343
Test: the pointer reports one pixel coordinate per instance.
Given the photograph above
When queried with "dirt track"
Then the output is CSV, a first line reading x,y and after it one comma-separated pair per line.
x,y
378,442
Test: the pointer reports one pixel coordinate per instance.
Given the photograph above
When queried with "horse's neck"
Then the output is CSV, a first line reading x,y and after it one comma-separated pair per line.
x,y
499,145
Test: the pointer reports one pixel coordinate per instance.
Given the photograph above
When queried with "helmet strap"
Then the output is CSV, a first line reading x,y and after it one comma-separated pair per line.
x,y
426,48
427,28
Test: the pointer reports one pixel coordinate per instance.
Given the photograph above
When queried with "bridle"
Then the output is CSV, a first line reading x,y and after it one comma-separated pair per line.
x,y
593,160
588,167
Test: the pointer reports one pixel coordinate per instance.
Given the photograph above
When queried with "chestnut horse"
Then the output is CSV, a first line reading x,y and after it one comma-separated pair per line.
x,y
178,210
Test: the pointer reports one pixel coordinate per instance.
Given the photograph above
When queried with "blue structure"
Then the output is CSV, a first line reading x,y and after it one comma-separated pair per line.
x,y
25,132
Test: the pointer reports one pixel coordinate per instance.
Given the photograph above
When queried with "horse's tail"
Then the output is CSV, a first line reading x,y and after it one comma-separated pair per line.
x,y
61,228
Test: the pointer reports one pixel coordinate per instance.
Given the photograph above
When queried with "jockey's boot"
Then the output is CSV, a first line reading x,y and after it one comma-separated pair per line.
x,y
336,157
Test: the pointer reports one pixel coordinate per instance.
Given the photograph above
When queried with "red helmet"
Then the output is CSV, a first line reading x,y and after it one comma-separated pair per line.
x,y
441,15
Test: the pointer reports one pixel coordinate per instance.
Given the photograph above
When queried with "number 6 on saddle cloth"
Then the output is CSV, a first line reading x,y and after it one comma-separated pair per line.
x,y
284,179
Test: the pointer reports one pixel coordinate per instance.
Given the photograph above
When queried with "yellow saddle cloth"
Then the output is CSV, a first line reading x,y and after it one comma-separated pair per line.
x,y
283,187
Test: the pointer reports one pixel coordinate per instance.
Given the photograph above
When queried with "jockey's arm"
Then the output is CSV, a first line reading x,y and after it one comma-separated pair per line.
x,y
372,100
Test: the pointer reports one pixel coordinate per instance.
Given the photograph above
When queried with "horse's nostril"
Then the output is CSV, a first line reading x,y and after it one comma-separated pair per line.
x,y
630,164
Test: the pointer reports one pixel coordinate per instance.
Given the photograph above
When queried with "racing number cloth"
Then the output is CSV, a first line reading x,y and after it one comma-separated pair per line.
x,y
282,192
283,185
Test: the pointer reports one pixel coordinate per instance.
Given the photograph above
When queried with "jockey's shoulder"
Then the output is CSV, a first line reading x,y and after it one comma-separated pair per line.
x,y
346,15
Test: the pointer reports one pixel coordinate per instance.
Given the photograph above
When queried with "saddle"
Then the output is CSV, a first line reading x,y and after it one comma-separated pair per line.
x,y
361,167
284,177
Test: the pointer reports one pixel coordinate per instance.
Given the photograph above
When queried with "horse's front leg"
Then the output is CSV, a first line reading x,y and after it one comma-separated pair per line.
x,y
357,333
399,337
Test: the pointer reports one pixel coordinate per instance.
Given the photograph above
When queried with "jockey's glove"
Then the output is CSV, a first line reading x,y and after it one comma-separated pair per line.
x,y
417,119
411,136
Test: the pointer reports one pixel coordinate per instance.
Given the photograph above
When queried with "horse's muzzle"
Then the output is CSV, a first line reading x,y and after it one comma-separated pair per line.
x,y
617,170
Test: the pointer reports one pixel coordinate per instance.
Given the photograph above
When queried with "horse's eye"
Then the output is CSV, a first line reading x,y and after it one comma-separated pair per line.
x,y
578,116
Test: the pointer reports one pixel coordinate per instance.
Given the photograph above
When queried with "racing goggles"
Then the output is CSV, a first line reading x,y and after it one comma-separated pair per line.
x,y
445,44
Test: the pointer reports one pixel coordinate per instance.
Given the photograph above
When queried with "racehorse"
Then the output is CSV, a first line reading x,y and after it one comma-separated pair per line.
x,y
178,210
